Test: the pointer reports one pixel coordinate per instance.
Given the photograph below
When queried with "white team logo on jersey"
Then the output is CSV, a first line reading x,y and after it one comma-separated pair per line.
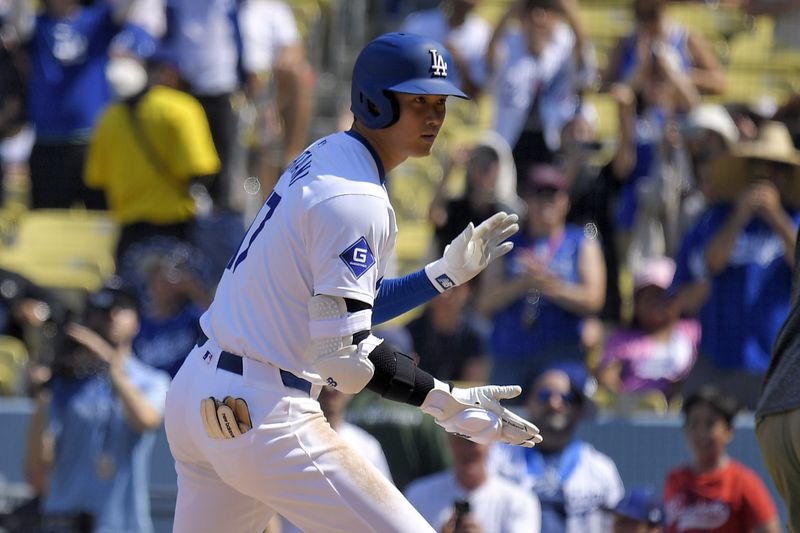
x,y
358,257
438,64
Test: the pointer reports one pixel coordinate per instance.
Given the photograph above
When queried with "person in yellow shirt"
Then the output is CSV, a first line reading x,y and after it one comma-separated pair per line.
x,y
150,146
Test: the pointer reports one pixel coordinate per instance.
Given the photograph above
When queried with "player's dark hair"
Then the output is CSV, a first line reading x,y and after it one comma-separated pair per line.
x,y
548,5
722,403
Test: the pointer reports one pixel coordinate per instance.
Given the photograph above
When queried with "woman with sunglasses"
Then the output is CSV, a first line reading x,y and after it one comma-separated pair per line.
x,y
540,295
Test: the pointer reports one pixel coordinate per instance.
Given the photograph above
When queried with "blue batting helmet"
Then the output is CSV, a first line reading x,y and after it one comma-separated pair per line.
x,y
402,63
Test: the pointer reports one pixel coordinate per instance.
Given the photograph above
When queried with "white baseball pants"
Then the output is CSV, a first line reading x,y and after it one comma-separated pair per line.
x,y
291,462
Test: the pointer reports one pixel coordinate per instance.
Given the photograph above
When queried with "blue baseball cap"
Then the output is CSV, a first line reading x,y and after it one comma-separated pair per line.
x,y
580,381
135,41
641,504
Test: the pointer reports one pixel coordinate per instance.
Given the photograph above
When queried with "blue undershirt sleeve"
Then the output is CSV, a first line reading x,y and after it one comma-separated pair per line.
x,y
398,295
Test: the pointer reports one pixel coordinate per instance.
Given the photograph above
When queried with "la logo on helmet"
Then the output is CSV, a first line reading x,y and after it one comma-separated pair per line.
x,y
438,64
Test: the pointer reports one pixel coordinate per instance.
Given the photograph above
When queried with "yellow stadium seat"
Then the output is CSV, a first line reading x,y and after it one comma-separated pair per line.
x,y
412,187
75,274
53,225
607,115
752,85
753,47
606,21
414,240
63,248
6,225
306,13
712,22
13,356
68,237
786,60
492,11
640,402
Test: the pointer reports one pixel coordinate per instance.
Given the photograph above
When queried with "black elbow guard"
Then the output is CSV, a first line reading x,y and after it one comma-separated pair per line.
x,y
397,377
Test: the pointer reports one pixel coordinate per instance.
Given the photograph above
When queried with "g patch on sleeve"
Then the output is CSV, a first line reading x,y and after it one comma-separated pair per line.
x,y
358,257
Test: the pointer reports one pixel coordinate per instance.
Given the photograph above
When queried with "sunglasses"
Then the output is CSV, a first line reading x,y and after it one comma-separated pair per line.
x,y
547,193
545,395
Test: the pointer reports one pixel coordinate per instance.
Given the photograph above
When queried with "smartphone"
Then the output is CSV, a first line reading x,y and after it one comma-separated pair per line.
x,y
461,508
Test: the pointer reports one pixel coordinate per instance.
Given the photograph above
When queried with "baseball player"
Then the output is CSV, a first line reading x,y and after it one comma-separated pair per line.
x,y
294,310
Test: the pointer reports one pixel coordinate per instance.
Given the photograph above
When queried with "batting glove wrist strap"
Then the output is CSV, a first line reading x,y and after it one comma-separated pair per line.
x,y
476,414
472,251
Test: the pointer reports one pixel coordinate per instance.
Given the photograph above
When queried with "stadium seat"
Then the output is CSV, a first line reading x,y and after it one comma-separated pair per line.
x,y
492,10
607,115
751,85
63,248
13,356
6,225
751,48
412,186
306,13
711,22
606,22
71,274
72,224
640,402
414,241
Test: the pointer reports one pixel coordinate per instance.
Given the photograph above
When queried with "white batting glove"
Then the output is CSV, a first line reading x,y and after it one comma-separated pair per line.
x,y
472,251
476,414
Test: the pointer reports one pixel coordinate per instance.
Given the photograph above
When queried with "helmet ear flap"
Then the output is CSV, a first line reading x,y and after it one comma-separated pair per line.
x,y
395,107
377,110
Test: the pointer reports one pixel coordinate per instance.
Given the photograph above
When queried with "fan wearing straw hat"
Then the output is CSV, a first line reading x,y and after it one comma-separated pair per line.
x,y
734,265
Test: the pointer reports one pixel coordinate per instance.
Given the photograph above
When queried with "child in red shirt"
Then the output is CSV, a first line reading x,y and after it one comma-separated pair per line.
x,y
715,493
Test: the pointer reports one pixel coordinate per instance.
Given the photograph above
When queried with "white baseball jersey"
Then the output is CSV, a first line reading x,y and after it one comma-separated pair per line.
x,y
590,486
497,505
327,228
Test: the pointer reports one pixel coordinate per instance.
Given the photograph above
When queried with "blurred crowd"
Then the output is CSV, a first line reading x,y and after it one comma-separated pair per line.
x,y
652,271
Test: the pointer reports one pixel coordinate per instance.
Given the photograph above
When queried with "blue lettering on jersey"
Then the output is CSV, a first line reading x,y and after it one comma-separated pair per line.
x,y
299,167
272,202
358,257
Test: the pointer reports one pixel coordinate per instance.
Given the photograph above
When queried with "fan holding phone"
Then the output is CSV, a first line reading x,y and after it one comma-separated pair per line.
x,y
469,499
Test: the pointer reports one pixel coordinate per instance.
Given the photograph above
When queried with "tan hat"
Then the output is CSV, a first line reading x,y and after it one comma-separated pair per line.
x,y
711,117
730,174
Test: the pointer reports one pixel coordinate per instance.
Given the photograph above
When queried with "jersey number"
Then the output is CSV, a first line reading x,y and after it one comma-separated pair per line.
x,y
272,202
